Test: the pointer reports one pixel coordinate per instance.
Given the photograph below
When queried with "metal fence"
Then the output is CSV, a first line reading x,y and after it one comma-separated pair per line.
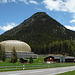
x,y
4,68
37,66
24,67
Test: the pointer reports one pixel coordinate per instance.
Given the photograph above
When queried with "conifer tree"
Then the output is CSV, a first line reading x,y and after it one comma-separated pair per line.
x,y
14,56
31,60
2,53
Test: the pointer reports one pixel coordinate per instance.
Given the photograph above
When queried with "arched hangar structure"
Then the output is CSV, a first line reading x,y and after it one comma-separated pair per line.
x,y
22,49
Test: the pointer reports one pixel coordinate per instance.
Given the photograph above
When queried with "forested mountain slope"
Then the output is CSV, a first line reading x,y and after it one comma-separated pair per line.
x,y
39,29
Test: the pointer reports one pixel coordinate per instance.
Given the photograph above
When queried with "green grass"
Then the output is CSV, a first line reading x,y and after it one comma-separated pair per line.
x,y
7,63
68,73
37,64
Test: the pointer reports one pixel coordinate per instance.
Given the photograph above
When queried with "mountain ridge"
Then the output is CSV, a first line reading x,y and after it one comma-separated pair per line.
x,y
41,26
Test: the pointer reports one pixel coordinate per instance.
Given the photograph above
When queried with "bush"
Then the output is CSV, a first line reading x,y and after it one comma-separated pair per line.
x,y
31,60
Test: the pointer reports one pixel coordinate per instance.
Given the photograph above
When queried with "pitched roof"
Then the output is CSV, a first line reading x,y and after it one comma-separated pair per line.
x,y
60,56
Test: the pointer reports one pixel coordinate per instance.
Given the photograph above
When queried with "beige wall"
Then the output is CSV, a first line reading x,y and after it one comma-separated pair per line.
x,y
18,45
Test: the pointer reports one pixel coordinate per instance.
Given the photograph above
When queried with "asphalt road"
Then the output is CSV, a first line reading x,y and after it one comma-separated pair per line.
x,y
50,71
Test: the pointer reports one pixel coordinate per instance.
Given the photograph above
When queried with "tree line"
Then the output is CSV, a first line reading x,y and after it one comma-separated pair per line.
x,y
65,47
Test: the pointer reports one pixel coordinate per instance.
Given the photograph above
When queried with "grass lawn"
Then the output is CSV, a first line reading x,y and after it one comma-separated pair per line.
x,y
37,64
68,73
39,61
35,61
7,63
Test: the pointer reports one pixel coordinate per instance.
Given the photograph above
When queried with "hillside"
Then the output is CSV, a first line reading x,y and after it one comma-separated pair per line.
x,y
39,27
39,31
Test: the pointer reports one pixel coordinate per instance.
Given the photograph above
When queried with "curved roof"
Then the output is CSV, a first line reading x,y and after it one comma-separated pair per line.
x,y
18,45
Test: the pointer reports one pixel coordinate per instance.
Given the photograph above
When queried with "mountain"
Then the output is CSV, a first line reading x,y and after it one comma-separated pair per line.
x,y
39,28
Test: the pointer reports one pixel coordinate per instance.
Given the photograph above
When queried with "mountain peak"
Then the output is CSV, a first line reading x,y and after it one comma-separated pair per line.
x,y
40,15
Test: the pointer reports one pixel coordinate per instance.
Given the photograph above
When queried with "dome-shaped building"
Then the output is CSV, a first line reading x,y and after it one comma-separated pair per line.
x,y
18,45
22,49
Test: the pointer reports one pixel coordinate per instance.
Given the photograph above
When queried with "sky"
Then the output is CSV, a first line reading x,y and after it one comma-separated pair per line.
x,y
14,12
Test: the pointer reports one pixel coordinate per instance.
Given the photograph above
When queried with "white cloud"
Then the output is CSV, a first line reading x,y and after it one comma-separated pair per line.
x,y
3,1
57,5
13,0
70,27
8,26
61,5
72,21
6,1
39,9
25,1
34,2
30,1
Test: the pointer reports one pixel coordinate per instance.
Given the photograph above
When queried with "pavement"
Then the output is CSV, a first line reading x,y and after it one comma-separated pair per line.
x,y
49,71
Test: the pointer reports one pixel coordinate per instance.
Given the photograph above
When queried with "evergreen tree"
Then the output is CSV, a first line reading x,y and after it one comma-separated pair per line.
x,y
49,48
2,52
14,56
31,60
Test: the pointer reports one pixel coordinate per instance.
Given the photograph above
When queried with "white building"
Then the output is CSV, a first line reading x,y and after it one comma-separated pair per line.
x,y
23,49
